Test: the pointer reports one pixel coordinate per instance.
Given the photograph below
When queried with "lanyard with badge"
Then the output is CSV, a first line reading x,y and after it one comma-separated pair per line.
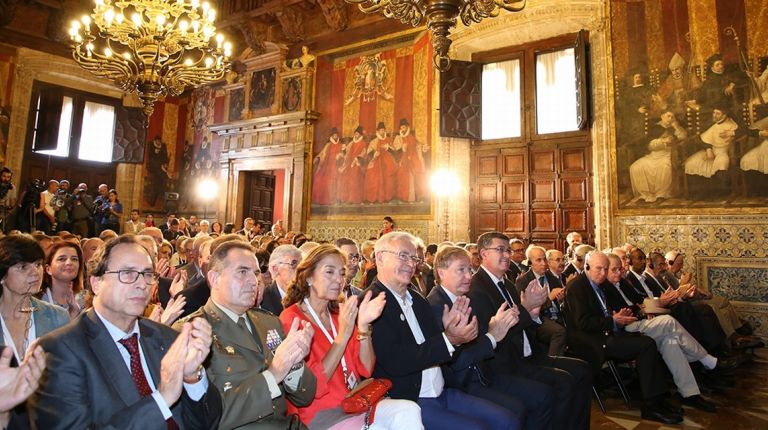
x,y
349,376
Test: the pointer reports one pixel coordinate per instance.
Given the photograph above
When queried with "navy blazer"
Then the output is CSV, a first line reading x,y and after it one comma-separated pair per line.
x,y
459,371
87,384
486,300
398,357
271,301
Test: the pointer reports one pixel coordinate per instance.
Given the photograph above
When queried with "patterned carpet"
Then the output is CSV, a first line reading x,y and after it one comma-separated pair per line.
x,y
745,406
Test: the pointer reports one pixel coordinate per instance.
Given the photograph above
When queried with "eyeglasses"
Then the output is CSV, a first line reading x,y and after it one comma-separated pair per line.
x,y
129,276
518,251
292,263
501,249
355,257
404,256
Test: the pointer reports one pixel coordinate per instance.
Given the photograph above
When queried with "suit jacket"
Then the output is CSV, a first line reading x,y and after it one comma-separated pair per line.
x,y
461,370
650,283
196,293
398,357
587,326
554,282
271,301
486,300
569,270
616,302
88,385
235,368
513,272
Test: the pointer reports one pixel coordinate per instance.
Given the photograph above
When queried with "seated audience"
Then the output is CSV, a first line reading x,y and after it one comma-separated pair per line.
x,y
349,248
112,368
551,331
410,353
676,345
520,353
594,334
341,353
253,363
516,265
469,369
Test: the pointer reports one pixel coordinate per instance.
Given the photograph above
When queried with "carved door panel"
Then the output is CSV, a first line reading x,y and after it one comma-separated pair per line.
x,y
537,193
260,196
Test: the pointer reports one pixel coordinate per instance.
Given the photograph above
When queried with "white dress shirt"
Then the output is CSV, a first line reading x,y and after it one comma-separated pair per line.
x,y
432,381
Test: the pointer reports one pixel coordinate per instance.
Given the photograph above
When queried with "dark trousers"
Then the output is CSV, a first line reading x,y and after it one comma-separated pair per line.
x,y
642,349
702,323
532,401
570,380
456,409
552,333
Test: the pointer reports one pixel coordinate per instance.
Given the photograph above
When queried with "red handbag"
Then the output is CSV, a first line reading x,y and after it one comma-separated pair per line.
x,y
364,398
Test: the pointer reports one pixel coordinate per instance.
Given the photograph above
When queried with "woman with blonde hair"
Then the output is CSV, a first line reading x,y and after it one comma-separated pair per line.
x,y
341,354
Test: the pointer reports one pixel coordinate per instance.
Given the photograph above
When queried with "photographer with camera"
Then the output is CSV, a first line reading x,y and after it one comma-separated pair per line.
x,y
63,201
112,210
47,209
82,208
7,197
99,215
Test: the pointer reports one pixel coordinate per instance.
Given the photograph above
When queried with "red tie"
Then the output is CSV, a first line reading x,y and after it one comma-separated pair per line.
x,y
137,373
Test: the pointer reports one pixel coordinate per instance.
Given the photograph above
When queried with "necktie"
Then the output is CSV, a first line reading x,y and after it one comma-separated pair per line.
x,y
505,293
553,311
137,373
241,323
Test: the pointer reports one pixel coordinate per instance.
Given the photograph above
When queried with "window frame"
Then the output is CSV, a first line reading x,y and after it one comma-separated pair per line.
x,y
79,98
527,54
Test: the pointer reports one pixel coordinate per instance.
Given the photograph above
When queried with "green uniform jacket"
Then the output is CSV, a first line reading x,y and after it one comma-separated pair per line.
x,y
235,367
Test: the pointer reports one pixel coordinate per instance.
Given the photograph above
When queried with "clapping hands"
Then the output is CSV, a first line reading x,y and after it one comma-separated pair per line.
x,y
624,317
460,325
292,349
183,359
504,319
18,383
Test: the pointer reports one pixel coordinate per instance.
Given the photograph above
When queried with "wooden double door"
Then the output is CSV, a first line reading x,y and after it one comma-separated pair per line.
x,y
536,194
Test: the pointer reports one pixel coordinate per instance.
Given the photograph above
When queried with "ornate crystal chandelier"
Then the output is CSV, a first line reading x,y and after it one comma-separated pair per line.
x,y
441,17
152,48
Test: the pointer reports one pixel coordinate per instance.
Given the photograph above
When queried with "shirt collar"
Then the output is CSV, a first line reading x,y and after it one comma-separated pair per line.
x,y
493,278
233,316
116,333
450,294
408,300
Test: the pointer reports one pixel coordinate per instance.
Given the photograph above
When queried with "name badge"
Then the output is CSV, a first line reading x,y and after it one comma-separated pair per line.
x,y
351,380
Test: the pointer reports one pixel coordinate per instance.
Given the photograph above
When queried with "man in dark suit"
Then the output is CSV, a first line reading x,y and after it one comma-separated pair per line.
x,y
595,334
551,331
282,265
109,368
349,248
576,265
700,321
516,266
410,347
520,352
255,366
468,369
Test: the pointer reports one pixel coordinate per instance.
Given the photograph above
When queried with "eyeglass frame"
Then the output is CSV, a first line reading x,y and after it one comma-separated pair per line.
x,y
293,263
501,249
405,257
154,275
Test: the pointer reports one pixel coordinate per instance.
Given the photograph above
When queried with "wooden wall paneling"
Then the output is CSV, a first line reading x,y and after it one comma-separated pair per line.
x,y
514,221
513,192
544,220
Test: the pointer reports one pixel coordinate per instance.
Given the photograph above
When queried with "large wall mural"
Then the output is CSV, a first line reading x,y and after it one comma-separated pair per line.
x,y
373,151
690,86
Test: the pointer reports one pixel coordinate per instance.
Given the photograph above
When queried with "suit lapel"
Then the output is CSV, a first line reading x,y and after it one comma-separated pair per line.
x,y
261,333
153,348
112,365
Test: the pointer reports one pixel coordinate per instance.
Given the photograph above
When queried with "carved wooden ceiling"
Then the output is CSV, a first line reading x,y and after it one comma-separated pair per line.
x,y
319,24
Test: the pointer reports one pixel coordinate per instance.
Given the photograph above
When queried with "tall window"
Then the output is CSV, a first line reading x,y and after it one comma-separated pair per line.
x,y
556,103
501,99
85,123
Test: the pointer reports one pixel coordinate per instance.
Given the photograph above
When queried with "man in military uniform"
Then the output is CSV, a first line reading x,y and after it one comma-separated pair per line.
x,y
253,363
